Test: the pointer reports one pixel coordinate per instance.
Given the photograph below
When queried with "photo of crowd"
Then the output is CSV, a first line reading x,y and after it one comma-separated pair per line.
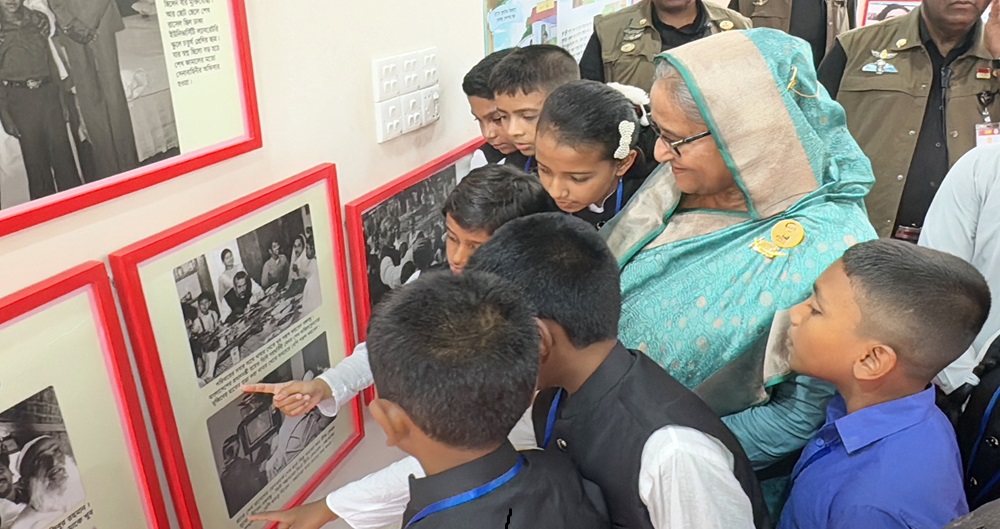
x,y
84,94
405,235
253,442
40,481
240,296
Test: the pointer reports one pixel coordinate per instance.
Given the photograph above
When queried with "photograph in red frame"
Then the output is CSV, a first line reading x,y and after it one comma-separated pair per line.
x,y
413,210
210,434
127,130
94,477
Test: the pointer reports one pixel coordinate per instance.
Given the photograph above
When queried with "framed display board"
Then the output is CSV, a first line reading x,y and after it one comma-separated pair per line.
x,y
255,291
398,228
565,23
875,11
72,440
135,94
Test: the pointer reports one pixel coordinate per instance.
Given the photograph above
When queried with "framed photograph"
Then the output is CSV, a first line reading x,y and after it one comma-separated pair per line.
x,y
397,230
73,446
565,23
876,11
255,291
113,99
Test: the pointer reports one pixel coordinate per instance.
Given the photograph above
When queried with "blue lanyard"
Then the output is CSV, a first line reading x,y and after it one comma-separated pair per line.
x,y
527,165
551,420
618,203
466,497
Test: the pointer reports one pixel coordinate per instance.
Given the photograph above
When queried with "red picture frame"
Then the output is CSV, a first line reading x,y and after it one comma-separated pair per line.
x,y
93,277
34,212
356,209
125,266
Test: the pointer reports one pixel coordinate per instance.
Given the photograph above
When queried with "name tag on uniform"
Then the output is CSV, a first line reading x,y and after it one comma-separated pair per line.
x,y
987,134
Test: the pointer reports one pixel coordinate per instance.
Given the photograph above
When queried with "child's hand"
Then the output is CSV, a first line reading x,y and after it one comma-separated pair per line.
x,y
309,516
294,398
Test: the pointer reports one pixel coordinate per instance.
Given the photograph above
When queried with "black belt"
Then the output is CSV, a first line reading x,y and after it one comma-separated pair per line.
x,y
30,84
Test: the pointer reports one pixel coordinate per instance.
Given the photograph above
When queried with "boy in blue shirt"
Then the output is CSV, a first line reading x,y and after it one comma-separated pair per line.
x,y
881,323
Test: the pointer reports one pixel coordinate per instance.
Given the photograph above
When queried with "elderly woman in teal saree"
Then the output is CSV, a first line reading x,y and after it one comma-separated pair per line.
x,y
762,188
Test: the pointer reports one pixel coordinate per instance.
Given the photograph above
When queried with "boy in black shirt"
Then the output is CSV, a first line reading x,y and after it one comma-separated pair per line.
x,y
455,360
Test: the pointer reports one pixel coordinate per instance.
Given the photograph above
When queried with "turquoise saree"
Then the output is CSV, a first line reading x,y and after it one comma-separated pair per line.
x,y
698,297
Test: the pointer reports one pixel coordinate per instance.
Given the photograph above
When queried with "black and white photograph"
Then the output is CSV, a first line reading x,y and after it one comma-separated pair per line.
x,y
84,94
242,295
253,442
40,481
405,235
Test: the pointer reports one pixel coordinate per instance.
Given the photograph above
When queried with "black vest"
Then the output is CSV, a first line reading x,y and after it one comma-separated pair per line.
x,y
546,492
604,426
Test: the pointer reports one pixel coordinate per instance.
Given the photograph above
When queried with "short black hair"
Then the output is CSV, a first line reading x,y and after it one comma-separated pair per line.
x,y
588,113
240,275
423,253
204,296
490,196
459,354
477,82
926,304
536,68
564,268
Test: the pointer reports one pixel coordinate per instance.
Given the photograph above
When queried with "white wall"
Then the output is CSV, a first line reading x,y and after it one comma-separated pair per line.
x,y
312,63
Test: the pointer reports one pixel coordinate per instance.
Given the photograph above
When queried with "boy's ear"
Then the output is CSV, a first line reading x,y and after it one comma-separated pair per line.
x,y
626,164
393,420
879,361
547,342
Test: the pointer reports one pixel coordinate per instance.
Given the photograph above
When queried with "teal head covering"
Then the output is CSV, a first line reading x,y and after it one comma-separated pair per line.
x,y
699,296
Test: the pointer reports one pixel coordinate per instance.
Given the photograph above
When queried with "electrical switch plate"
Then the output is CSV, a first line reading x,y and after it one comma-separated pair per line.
x,y
413,115
409,73
388,120
385,78
428,67
430,104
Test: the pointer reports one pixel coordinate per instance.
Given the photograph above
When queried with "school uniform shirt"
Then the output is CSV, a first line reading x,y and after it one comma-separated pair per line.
x,y
895,464
350,376
685,477
963,220
532,489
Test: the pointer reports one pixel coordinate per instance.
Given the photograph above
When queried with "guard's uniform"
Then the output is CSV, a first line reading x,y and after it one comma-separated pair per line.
x,y
913,111
818,22
624,43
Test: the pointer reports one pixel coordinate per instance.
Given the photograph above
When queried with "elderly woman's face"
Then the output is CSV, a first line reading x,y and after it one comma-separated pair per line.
x,y
700,169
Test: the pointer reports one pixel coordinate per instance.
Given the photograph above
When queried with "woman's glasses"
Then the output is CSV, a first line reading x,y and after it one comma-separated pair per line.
x,y
675,145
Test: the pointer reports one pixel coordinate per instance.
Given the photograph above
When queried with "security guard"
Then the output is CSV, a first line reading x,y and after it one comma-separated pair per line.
x,y
623,45
918,91
818,22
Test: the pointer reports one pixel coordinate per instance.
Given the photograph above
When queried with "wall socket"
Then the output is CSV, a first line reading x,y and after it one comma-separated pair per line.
x,y
407,94
428,67
388,120
385,78
430,104
413,115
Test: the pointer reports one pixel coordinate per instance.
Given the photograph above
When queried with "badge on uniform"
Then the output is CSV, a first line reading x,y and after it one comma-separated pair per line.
x,y
628,47
983,73
632,34
726,25
987,134
881,64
